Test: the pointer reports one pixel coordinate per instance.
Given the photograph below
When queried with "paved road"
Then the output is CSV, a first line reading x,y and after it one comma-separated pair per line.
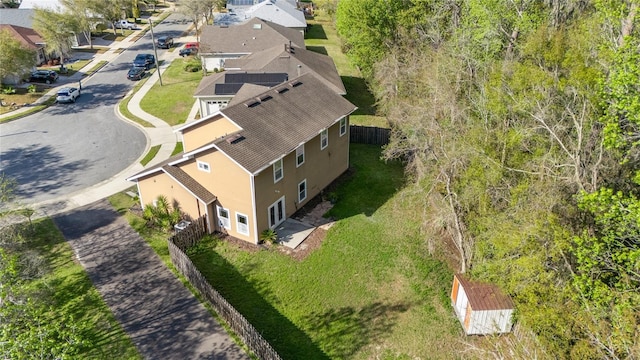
x,y
160,315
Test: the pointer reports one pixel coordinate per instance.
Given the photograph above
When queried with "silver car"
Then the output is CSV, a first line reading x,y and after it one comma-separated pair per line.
x,y
68,94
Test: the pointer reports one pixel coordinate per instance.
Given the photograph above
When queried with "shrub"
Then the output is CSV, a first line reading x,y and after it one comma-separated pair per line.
x,y
192,66
269,236
32,88
161,214
8,90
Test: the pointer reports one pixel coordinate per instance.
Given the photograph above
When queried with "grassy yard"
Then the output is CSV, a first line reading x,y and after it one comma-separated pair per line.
x,y
64,286
172,101
323,38
369,292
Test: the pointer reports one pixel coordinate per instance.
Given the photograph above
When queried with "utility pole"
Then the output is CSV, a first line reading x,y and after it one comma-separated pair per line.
x,y
155,51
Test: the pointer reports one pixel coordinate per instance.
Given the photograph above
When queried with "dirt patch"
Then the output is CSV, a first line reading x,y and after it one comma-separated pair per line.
x,y
311,243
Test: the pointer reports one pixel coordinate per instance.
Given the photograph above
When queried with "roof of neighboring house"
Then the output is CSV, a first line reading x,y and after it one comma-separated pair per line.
x,y
228,83
29,37
42,4
276,121
294,61
483,296
18,17
246,38
279,12
189,183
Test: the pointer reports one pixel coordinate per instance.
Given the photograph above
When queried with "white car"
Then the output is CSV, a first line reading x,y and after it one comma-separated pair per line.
x,y
67,95
124,24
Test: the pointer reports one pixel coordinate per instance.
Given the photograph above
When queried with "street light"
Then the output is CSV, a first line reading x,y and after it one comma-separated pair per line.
x,y
155,51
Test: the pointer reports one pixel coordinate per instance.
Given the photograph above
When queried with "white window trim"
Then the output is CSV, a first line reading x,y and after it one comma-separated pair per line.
x,y
343,124
203,166
305,190
275,179
239,224
300,151
324,134
226,224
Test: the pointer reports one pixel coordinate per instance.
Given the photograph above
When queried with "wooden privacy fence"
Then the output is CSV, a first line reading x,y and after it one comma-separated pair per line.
x,y
369,135
190,236
251,337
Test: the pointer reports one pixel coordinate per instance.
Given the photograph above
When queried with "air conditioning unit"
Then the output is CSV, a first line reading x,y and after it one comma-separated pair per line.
x,y
183,224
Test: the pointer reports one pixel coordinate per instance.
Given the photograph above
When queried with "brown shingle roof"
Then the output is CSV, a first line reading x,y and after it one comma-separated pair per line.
x,y
251,36
277,124
189,183
29,37
483,296
294,61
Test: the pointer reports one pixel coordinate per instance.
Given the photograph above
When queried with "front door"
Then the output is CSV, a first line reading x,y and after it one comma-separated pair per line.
x,y
276,213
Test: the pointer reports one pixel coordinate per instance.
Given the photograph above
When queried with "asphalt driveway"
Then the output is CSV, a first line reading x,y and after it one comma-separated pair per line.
x,y
164,320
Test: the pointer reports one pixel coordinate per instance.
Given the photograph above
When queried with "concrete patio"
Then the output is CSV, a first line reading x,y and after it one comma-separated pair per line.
x,y
293,231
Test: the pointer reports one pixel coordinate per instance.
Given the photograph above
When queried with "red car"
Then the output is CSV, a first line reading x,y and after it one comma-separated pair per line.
x,y
190,45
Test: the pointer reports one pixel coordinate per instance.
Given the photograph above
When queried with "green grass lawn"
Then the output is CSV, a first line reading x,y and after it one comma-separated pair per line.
x,y
370,290
172,101
67,290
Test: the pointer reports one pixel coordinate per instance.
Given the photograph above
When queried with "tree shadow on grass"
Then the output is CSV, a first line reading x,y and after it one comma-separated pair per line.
x,y
359,94
248,297
318,49
346,330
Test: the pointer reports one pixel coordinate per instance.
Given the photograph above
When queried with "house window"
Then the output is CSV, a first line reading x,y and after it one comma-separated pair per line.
x,y
300,155
277,171
242,224
302,191
223,217
343,126
324,139
276,213
203,166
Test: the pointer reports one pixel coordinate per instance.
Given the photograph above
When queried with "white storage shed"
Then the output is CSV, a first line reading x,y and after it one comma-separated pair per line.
x,y
481,308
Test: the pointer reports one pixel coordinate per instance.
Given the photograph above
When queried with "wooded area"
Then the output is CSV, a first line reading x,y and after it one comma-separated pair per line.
x,y
519,122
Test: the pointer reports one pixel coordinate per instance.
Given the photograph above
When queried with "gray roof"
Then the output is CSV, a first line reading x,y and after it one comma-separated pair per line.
x,y
17,17
278,120
294,61
190,184
248,37
228,83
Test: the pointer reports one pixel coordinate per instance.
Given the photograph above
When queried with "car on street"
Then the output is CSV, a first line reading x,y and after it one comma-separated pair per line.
x,y
188,51
124,24
190,45
144,60
165,42
137,73
67,94
44,76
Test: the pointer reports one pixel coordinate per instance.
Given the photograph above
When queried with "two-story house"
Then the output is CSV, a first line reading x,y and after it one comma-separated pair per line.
x,y
254,163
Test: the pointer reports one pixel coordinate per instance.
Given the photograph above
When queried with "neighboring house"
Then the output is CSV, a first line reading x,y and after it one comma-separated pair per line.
x,y
31,40
220,43
279,12
52,5
254,163
216,91
212,93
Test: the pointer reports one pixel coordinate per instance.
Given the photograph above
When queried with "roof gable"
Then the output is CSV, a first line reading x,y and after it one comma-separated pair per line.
x,y
28,37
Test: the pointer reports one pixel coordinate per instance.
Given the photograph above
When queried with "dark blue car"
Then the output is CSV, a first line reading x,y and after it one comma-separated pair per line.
x,y
144,60
136,73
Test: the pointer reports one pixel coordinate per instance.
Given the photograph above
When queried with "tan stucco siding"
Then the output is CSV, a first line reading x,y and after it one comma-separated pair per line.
x,y
161,184
320,168
207,131
230,184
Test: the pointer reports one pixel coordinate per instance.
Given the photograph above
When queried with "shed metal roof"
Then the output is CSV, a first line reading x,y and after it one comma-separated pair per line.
x,y
484,296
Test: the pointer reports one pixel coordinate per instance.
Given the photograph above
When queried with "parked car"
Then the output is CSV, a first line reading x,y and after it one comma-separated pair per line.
x,y
124,24
67,94
190,45
188,51
165,42
144,60
45,76
137,73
